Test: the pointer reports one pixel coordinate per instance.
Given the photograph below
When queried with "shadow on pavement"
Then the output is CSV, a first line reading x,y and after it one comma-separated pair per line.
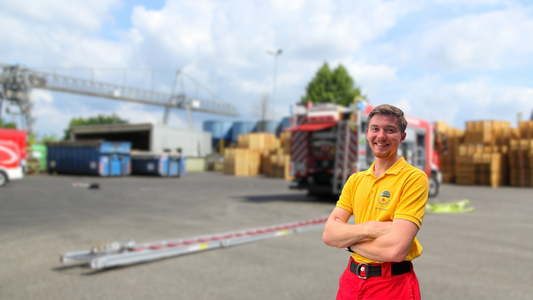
x,y
290,198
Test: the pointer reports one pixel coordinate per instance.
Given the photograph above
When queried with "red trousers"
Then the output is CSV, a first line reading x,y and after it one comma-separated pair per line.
x,y
397,287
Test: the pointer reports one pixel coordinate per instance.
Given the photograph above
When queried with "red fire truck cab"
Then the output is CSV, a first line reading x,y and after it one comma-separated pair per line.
x,y
328,144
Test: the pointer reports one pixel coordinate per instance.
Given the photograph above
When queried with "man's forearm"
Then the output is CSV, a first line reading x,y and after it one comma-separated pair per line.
x,y
375,249
341,235
391,247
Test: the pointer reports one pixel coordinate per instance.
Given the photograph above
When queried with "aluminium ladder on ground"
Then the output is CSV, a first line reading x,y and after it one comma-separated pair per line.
x,y
107,255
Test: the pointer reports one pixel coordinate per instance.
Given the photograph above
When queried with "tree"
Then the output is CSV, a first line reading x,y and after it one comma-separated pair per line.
x,y
5,124
262,111
336,87
98,120
49,138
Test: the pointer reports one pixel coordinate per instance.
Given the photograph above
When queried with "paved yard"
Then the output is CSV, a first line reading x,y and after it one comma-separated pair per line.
x,y
485,254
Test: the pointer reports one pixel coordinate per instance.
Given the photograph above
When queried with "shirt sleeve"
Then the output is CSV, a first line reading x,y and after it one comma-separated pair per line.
x,y
412,205
346,198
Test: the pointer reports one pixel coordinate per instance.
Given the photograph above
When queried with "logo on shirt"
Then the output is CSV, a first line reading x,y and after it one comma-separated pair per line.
x,y
385,194
384,197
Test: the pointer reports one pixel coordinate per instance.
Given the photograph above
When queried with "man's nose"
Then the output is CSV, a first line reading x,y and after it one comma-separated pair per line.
x,y
381,134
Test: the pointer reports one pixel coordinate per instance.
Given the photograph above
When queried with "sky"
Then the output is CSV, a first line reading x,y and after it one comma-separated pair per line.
x,y
452,61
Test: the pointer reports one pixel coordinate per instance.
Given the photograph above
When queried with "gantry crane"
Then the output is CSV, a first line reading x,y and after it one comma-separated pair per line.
x,y
16,82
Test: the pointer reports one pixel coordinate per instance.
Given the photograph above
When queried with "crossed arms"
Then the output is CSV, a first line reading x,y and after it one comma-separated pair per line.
x,y
378,241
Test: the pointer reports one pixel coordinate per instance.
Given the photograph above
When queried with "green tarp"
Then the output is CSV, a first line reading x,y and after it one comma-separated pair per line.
x,y
449,207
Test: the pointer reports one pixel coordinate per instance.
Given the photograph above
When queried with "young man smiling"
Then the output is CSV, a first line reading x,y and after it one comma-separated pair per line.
x,y
388,203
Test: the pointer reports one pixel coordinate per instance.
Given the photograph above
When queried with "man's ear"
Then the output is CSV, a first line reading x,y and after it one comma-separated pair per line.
x,y
403,137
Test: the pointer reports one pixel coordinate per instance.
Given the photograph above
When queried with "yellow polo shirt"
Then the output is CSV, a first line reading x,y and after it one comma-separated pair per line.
x,y
400,193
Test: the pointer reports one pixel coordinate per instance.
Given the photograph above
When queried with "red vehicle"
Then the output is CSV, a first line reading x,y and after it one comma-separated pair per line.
x,y
12,154
329,144
10,162
19,137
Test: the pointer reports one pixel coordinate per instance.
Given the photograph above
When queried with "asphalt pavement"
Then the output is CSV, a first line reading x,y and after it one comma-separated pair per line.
x,y
484,254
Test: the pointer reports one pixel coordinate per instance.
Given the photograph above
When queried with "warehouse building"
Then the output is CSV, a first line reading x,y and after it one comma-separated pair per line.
x,y
154,138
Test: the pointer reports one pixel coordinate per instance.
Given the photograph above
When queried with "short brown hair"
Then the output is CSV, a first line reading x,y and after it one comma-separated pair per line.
x,y
387,109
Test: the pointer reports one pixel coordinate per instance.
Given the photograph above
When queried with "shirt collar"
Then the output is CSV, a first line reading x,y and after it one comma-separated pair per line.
x,y
393,170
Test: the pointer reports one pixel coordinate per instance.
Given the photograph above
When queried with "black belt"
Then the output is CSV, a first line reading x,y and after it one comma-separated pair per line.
x,y
375,271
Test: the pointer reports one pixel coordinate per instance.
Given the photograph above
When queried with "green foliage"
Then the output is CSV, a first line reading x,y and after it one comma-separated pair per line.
x,y
98,120
49,138
5,124
336,87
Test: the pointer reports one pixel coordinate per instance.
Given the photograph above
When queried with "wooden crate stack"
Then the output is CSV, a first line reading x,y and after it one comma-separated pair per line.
x,y
491,166
248,158
521,155
237,162
276,161
483,157
465,168
448,140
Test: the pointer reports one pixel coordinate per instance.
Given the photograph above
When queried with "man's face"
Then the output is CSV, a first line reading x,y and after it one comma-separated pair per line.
x,y
384,135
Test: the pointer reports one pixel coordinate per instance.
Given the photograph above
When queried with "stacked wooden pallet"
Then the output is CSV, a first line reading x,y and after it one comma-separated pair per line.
x,y
276,161
259,153
237,161
485,160
448,140
521,155
465,165
491,166
482,154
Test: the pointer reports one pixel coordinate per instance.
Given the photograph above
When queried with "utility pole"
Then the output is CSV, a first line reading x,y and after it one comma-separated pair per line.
x,y
276,54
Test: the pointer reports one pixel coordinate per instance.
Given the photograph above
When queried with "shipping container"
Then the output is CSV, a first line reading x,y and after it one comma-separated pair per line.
x,y
89,157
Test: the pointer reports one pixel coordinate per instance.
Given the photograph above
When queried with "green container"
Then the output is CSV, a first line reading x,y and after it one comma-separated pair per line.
x,y
38,151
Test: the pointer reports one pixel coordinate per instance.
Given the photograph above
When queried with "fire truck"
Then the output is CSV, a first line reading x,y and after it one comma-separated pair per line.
x,y
10,161
12,154
328,144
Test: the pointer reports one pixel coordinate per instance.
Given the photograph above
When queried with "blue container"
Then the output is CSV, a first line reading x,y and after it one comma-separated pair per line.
x,y
241,128
150,164
285,122
126,164
174,166
182,166
220,130
91,157
267,126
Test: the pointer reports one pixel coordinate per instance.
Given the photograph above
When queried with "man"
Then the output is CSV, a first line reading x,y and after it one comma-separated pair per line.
x,y
388,203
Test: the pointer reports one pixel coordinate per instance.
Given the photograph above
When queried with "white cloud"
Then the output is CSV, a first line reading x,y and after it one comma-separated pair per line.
x,y
224,44
404,105
371,78
80,16
457,103
482,41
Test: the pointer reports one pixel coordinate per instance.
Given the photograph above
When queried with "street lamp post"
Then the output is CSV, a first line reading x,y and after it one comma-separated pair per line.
x,y
276,54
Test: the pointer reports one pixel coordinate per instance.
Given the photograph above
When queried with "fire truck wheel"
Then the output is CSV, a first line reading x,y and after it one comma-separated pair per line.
x,y
3,178
433,186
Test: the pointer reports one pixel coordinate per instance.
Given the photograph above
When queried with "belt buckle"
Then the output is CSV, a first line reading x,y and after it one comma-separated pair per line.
x,y
360,268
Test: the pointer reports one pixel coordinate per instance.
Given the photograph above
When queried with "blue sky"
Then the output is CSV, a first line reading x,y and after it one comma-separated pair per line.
x,y
452,61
